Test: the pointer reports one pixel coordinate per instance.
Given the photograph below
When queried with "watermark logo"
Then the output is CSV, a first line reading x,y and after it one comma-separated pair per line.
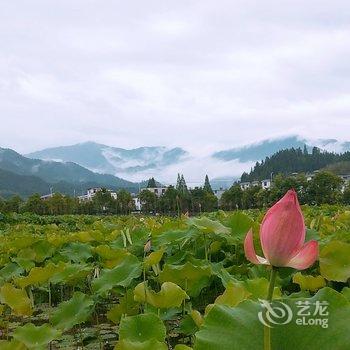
x,y
307,313
276,313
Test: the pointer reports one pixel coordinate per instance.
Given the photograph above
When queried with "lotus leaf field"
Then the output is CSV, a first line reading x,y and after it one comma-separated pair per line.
x,y
157,283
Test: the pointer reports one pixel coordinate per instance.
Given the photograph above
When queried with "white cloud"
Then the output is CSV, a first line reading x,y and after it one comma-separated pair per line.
x,y
203,75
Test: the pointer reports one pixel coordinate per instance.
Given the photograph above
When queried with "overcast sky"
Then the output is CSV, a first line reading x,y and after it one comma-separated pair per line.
x,y
198,74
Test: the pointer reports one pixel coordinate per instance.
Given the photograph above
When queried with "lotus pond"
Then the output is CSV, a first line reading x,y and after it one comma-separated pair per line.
x,y
157,283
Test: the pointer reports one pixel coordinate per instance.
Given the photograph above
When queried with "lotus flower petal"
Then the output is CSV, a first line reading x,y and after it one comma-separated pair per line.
x,y
282,232
305,257
282,236
250,250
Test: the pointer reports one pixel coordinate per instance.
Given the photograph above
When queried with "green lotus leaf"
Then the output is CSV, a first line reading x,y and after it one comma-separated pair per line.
x,y
182,347
77,252
146,345
240,224
70,273
27,254
9,271
215,247
126,306
12,345
346,292
206,225
258,288
335,261
37,276
238,291
36,337
312,235
233,295
141,332
22,242
111,257
173,237
230,328
84,237
197,317
42,249
25,264
192,278
72,312
16,299
306,282
154,258
221,272
170,295
121,275
108,253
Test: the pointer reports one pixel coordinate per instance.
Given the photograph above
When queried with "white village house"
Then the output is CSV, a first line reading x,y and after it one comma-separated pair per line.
x,y
137,202
265,184
158,191
91,193
219,192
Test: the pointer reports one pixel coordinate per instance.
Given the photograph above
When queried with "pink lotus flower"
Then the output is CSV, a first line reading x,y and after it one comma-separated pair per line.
x,y
282,237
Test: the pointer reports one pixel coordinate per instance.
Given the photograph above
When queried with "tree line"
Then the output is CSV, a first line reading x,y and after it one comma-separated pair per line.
x,y
179,199
323,188
294,160
58,204
176,200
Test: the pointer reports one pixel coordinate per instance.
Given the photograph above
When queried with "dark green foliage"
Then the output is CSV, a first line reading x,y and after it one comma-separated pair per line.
x,y
151,183
207,186
232,198
25,176
340,168
24,185
202,200
148,200
293,161
323,188
181,185
346,195
169,202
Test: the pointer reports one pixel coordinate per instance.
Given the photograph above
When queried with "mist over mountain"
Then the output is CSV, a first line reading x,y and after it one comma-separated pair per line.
x,y
35,175
265,148
113,160
23,185
222,166
73,169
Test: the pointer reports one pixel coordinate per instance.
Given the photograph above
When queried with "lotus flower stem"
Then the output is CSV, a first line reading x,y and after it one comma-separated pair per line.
x,y
273,276
282,237
267,330
205,247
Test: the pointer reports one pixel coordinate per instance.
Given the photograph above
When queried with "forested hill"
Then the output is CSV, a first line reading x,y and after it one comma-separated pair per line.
x,y
294,161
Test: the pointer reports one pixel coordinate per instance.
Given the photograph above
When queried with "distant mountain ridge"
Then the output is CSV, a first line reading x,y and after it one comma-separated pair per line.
x,y
23,185
112,160
163,163
258,151
296,160
62,176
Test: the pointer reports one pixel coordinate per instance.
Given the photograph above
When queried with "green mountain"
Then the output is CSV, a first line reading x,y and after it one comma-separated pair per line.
x,y
39,176
22,185
112,160
340,168
257,151
294,161
52,172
